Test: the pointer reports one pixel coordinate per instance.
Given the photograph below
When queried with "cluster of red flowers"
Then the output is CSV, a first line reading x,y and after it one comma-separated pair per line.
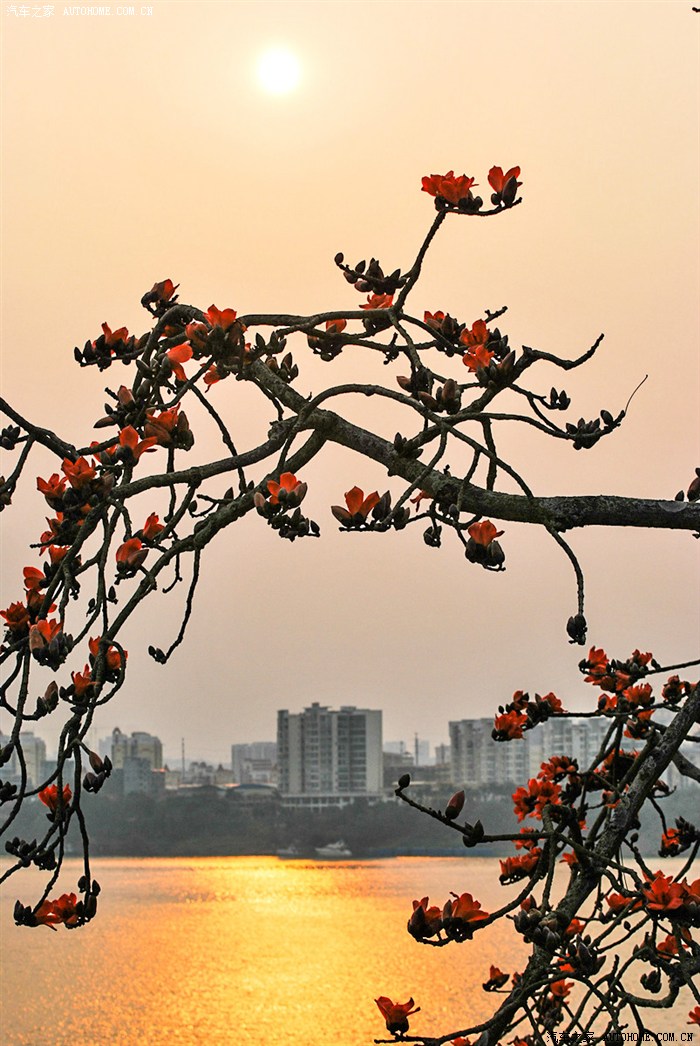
x,y
661,896
458,918
523,713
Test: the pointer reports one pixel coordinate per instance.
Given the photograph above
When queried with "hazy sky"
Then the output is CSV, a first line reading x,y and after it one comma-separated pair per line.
x,y
138,147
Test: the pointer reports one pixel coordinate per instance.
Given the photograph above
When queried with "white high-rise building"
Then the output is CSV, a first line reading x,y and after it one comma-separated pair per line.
x,y
477,759
34,753
328,757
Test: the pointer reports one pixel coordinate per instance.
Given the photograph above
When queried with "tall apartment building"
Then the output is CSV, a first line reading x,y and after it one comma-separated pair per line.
x,y
328,758
478,760
34,753
139,745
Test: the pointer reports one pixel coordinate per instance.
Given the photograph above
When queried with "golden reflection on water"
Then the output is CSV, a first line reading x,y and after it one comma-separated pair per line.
x,y
251,950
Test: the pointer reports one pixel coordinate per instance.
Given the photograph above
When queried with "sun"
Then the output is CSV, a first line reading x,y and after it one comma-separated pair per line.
x,y
279,70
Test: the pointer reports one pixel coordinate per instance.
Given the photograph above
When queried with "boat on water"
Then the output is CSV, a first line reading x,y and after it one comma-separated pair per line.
x,y
289,852
334,851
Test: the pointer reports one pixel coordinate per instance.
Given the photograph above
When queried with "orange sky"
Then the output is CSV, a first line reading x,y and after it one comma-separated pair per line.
x,y
139,147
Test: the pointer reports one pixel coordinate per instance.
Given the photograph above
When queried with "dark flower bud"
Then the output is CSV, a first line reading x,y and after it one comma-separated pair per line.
x,y
404,780
454,807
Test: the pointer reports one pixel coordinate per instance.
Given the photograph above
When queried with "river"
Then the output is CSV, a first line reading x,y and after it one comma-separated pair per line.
x,y
252,950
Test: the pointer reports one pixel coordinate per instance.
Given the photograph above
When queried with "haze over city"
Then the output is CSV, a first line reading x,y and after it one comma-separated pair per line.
x,y
242,184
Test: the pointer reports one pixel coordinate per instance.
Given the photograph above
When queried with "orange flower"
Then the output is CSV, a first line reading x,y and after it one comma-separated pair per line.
x,y
477,357
114,337
617,902
129,438
670,843
53,489
212,376
33,578
484,533
43,632
177,356
662,894
531,801
358,507
448,187
152,528
378,301
575,928
82,681
57,553
498,180
164,426
16,617
509,726
336,326
426,920
131,554
63,910
458,915
289,484
478,334
561,989
496,979
694,1016
221,318
396,1014
159,295
515,868
80,474
49,797
113,657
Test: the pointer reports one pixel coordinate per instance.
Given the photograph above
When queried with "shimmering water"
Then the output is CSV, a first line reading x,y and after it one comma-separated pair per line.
x,y
251,950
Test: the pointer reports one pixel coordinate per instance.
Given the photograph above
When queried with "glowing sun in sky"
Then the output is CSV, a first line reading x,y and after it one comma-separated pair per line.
x,y
278,70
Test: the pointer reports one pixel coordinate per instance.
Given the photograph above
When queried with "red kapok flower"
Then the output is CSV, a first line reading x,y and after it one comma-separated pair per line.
x,y
450,188
358,506
79,473
478,335
289,484
131,554
129,438
496,979
49,796
336,326
477,357
662,894
498,180
178,355
509,726
464,909
114,337
61,910
561,989
163,426
16,617
82,681
223,318
694,1016
378,301
53,488
113,657
426,920
515,868
152,528
484,533
396,1014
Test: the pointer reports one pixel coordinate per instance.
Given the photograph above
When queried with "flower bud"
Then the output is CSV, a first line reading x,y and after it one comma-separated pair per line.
x,y
454,807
